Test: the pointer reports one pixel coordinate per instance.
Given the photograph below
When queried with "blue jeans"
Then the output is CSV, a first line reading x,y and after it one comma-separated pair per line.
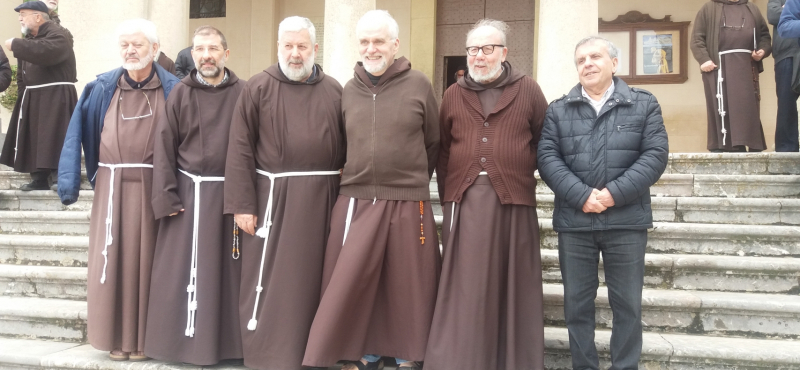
x,y
376,358
786,123
623,261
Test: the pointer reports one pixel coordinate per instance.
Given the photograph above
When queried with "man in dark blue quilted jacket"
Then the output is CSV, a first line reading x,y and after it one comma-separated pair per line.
x,y
603,145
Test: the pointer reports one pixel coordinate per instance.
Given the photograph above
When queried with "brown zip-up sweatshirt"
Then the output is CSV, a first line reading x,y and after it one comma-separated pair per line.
x,y
392,134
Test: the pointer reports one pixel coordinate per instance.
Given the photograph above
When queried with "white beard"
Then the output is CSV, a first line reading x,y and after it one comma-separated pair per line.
x,y
24,30
295,74
143,62
485,77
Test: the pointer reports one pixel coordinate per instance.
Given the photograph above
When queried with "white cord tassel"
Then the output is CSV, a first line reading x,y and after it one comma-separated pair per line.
x,y
110,209
349,219
720,93
452,216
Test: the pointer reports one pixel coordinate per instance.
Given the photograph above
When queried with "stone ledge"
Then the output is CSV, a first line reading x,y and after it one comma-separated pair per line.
x,y
45,222
43,281
700,272
718,313
47,250
42,200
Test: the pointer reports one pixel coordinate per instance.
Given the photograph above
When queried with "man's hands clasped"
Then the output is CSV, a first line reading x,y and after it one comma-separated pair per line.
x,y
598,201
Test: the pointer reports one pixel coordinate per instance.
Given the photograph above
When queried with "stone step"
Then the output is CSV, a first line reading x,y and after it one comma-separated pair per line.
x,y
43,281
45,222
705,239
44,250
13,180
696,312
735,163
699,272
744,211
43,318
42,200
689,185
708,239
659,351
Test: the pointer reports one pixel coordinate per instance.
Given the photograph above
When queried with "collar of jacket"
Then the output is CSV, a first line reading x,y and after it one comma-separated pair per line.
x,y
399,66
109,80
621,95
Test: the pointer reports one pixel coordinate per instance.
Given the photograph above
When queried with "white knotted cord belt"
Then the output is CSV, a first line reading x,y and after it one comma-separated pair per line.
x,y
110,209
720,95
264,231
191,289
22,105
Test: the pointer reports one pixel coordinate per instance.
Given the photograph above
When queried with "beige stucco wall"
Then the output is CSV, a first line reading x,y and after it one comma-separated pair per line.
x,y
683,105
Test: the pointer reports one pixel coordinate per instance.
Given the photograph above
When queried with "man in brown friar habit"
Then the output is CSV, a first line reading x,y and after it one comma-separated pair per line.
x,y
281,180
115,124
46,83
194,298
382,261
489,311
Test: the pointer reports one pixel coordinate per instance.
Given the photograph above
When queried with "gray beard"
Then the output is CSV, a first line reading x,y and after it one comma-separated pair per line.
x,y
484,78
140,65
24,30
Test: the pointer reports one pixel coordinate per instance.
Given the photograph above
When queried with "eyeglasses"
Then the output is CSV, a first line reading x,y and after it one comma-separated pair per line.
x,y
119,106
487,49
734,28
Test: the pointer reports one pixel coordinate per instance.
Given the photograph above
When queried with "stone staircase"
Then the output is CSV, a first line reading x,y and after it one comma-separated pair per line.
x,y
722,284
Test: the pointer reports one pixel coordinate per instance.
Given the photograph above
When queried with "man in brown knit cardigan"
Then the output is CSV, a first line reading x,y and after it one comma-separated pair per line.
x,y
491,284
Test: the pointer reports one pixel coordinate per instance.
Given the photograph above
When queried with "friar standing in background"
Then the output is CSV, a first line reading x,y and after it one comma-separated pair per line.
x,y
46,83
115,123
194,306
730,39
281,180
489,312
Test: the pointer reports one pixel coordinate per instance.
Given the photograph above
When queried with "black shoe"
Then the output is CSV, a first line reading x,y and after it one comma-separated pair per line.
x,y
35,185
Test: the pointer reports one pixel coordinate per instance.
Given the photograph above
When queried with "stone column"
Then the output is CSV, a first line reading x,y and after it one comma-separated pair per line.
x,y
562,23
423,36
341,45
172,19
93,24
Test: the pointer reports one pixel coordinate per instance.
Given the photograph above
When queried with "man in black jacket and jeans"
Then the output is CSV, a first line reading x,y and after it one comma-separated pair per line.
x,y
603,145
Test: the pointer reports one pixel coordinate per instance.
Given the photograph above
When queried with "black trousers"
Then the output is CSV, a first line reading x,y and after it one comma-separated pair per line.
x,y
786,122
45,175
623,261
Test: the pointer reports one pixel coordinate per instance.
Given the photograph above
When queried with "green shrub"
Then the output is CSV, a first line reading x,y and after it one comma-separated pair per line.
x,y
9,98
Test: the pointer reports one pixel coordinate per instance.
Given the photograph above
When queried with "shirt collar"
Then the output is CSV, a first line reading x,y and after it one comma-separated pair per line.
x,y
603,98
201,80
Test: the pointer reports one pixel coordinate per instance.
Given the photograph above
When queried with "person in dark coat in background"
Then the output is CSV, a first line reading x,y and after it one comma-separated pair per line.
x,y
729,40
46,81
115,125
194,242
52,6
166,62
789,24
786,52
5,71
603,145
491,284
184,63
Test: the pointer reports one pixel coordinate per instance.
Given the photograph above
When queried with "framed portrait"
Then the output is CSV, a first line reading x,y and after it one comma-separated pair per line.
x,y
652,51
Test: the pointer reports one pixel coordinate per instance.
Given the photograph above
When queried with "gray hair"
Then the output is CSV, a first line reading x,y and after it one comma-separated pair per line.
x,y
613,50
133,26
45,16
208,31
297,24
379,18
500,26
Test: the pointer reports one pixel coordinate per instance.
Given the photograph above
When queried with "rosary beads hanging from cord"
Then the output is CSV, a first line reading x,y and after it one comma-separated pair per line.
x,y
235,253
421,229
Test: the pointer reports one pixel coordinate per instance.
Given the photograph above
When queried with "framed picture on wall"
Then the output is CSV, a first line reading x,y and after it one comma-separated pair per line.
x,y
652,51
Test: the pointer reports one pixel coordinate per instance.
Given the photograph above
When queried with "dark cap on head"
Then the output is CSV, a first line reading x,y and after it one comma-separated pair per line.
x,y
38,6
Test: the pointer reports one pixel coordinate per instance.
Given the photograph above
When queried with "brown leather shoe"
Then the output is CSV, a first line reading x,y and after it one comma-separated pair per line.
x,y
118,355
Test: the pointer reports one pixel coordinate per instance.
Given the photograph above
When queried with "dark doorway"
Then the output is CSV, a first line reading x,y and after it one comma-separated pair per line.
x,y
451,66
